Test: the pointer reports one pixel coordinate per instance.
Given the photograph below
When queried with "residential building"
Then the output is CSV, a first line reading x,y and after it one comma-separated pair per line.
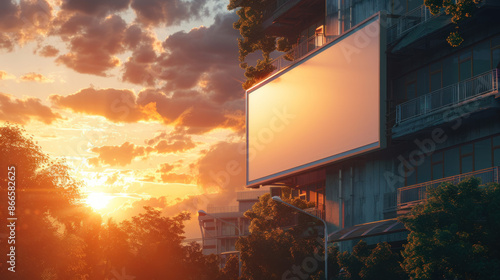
x,y
371,106
221,226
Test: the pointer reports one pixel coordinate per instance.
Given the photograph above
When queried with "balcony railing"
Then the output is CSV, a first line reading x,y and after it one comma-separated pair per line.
x,y
250,195
316,211
411,195
448,96
407,22
222,209
300,50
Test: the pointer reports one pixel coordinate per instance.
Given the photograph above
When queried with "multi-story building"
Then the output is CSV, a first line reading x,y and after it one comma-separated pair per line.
x,y
222,225
372,106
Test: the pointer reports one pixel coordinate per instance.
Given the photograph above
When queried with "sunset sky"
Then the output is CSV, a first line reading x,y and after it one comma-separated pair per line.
x,y
142,98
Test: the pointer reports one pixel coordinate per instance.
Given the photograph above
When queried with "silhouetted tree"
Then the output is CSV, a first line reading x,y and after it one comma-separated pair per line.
x,y
454,234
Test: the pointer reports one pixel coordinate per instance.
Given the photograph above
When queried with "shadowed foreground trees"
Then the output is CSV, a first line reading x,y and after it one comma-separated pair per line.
x,y
57,237
455,233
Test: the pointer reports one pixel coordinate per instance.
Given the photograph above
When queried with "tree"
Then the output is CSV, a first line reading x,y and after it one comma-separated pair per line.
x,y
371,264
459,11
251,17
231,269
280,241
454,234
45,201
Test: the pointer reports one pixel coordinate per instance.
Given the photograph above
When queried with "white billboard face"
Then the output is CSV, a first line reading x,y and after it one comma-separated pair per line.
x,y
326,108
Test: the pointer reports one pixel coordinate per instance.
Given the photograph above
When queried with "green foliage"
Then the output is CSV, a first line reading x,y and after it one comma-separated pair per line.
x,y
253,38
454,234
231,269
279,239
366,264
459,11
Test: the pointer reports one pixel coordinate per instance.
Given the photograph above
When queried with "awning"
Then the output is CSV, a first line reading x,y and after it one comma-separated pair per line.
x,y
367,230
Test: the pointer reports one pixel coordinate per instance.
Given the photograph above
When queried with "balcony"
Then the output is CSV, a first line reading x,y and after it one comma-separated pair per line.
x,y
408,22
282,17
415,194
250,195
222,209
445,98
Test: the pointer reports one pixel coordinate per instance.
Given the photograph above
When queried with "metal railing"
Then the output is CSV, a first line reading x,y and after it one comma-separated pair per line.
x,y
316,211
408,21
222,209
447,96
414,194
250,195
300,50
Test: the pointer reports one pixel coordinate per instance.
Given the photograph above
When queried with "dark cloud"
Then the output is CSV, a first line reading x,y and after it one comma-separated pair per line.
x,y
23,21
93,43
24,110
138,68
95,7
168,12
48,51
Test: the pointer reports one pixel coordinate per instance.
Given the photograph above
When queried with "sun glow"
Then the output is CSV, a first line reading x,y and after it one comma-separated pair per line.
x,y
98,201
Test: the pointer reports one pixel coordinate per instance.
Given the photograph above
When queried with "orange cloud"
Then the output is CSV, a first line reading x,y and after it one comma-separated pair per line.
x,y
168,12
5,76
48,51
23,111
35,77
117,155
93,43
167,176
222,167
116,105
23,21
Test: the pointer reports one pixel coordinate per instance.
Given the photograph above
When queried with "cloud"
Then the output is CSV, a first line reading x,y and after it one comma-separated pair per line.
x,y
117,155
171,142
48,51
222,167
35,77
167,176
116,105
23,111
23,21
93,43
6,76
95,7
168,12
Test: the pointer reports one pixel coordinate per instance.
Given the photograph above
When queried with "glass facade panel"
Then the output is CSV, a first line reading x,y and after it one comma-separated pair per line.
x,y
450,70
482,154
496,157
452,162
435,81
423,81
467,164
465,69
424,171
481,58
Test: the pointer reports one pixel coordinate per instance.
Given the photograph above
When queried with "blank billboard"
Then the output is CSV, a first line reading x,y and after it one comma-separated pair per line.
x,y
327,107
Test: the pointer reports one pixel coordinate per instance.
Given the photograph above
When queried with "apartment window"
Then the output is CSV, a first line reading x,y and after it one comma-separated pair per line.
x,y
482,154
229,229
481,58
465,65
435,76
496,150
437,165
411,87
228,245
495,51
466,158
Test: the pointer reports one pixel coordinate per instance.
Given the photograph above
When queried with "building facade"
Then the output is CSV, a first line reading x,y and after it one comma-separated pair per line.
x,y
372,106
221,226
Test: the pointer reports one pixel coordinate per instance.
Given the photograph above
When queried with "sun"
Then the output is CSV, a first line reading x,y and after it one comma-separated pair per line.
x,y
98,201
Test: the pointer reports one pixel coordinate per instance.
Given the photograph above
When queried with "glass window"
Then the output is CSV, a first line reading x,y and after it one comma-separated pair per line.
x,y
495,57
423,81
229,229
496,156
424,171
450,70
467,164
452,162
435,81
465,69
411,90
437,166
482,154
481,58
